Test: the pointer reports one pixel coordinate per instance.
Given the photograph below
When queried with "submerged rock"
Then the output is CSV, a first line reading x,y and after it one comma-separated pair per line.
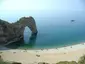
x,y
72,20
12,32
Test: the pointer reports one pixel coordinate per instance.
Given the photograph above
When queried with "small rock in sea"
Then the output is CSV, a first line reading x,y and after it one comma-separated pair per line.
x,y
72,20
38,55
16,63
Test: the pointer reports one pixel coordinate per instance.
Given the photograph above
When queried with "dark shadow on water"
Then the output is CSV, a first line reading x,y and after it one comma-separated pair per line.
x,y
21,43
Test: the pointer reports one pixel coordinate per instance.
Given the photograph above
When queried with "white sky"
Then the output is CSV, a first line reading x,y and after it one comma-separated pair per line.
x,y
26,4
19,8
12,5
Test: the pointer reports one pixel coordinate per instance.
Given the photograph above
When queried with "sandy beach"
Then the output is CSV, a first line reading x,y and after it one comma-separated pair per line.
x,y
51,56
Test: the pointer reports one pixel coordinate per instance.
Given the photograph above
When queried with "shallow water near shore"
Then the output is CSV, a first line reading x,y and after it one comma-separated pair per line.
x,y
55,31
59,23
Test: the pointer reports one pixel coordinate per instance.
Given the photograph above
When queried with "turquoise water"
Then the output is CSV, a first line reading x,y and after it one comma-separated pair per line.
x,y
55,31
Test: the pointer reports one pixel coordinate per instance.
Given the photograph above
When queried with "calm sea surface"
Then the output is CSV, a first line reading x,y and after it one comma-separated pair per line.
x,y
55,31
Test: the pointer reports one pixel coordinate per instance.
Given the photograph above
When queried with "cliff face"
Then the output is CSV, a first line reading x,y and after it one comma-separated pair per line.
x,y
12,32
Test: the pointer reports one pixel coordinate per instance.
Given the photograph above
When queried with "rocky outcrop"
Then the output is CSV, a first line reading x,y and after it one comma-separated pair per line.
x,y
12,32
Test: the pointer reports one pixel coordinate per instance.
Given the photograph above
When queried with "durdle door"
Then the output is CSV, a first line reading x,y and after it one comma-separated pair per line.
x,y
12,32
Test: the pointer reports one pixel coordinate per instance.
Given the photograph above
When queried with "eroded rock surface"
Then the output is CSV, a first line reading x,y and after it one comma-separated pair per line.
x,y
12,32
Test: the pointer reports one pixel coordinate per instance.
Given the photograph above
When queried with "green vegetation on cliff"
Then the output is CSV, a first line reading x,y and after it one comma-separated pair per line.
x,y
3,62
66,62
81,61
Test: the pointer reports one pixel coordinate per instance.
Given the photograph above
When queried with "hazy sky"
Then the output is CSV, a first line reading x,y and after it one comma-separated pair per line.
x,y
20,7
16,5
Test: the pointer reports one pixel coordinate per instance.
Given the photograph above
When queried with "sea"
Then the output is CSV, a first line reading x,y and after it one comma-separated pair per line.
x,y
55,30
